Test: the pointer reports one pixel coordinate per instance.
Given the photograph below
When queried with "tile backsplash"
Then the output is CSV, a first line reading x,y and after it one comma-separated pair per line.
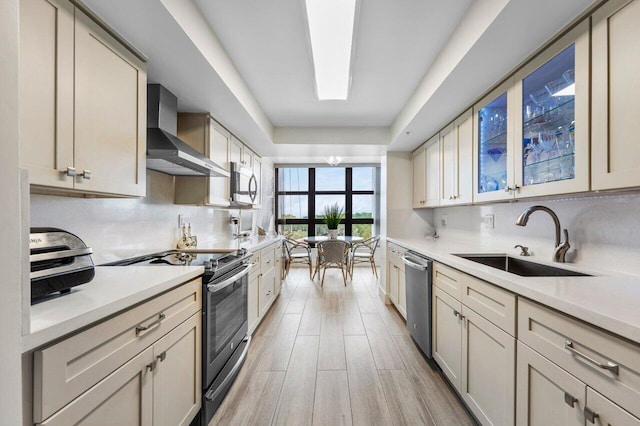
x,y
604,230
117,228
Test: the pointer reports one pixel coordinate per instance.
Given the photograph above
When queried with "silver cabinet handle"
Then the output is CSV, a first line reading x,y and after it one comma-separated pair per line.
x,y
456,313
570,400
152,366
162,356
590,415
86,174
71,171
614,368
140,328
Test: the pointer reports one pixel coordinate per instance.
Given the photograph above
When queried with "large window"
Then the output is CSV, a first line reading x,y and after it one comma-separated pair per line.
x,y
303,193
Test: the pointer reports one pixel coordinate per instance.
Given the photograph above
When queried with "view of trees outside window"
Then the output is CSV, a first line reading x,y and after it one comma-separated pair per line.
x,y
302,191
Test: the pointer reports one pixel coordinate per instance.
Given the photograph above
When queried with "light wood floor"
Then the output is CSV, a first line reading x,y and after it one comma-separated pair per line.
x,y
336,356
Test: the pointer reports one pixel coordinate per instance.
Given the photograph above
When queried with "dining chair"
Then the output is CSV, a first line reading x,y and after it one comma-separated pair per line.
x,y
297,252
364,252
333,252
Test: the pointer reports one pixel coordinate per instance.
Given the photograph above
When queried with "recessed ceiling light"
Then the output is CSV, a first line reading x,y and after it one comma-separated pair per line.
x,y
331,25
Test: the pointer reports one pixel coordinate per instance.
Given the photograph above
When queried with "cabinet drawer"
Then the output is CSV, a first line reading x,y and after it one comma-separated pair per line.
x,y
448,280
267,259
493,303
67,369
551,334
607,412
254,272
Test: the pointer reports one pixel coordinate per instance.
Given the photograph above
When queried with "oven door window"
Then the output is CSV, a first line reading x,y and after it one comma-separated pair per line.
x,y
227,313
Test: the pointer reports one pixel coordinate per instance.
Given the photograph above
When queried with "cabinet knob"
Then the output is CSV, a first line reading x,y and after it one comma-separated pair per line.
x,y
86,174
151,366
162,356
71,171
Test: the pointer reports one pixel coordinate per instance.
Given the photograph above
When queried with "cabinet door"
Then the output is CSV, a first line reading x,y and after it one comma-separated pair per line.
x,y
615,151
110,113
419,178
488,370
464,125
219,151
447,337
247,157
278,268
552,115
178,374
267,291
432,159
493,145
546,394
601,411
449,162
257,171
402,293
125,397
252,303
393,283
235,150
46,91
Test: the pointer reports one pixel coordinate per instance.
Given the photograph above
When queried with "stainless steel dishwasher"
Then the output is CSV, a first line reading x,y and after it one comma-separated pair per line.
x,y
418,274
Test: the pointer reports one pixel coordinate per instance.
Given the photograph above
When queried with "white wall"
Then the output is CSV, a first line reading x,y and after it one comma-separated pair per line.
x,y
120,228
604,230
10,237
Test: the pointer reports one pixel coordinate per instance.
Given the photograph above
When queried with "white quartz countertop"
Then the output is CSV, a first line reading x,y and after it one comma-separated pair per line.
x,y
252,243
609,302
114,289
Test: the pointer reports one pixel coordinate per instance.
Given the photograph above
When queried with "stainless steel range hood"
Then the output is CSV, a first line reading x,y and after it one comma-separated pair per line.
x,y
165,152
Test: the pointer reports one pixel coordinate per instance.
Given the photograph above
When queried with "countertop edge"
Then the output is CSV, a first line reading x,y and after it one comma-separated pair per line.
x,y
45,336
598,319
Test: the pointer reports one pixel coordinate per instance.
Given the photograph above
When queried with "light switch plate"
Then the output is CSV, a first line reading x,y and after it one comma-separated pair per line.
x,y
443,220
489,221
181,220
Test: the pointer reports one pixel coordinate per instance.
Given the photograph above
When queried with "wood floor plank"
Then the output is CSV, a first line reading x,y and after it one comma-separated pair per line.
x,y
331,354
271,320
365,302
298,300
332,405
254,404
403,399
396,325
368,404
331,302
383,347
311,318
295,404
276,357
351,320
440,400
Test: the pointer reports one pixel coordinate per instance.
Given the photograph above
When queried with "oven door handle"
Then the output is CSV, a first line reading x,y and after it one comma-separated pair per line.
x,y
213,394
213,288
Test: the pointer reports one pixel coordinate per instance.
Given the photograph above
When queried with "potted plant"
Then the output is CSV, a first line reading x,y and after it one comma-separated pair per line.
x,y
332,215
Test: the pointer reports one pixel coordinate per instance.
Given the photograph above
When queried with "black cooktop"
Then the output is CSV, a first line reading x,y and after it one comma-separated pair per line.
x,y
213,263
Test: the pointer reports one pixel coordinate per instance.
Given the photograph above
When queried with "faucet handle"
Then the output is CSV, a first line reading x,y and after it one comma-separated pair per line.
x,y
525,250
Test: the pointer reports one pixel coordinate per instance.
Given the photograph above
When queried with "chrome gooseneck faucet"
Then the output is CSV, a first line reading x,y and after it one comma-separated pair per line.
x,y
561,246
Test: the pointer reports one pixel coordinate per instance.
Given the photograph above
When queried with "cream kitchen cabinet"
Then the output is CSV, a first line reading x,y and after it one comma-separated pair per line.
x,y
240,153
615,152
265,281
456,156
207,136
419,178
396,278
83,103
475,353
121,368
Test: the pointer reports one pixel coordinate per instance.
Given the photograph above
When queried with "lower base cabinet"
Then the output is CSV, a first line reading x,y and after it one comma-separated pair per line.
x,y
447,329
396,279
265,282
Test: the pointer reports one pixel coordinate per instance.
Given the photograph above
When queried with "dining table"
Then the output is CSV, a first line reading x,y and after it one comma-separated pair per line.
x,y
351,239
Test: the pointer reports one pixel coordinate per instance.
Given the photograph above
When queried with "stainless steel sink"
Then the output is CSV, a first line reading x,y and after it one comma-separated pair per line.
x,y
519,266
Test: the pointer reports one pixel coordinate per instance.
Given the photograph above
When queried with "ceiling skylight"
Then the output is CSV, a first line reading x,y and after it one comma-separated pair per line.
x,y
331,30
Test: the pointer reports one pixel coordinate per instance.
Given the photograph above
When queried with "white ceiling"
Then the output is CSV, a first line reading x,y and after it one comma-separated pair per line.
x,y
395,42
417,64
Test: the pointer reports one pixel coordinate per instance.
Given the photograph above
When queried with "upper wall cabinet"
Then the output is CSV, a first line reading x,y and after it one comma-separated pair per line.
x,y
83,103
426,174
456,155
493,145
615,90
552,116
419,178
205,135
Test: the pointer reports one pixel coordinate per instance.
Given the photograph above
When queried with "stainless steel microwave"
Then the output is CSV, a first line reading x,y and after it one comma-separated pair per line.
x,y
244,185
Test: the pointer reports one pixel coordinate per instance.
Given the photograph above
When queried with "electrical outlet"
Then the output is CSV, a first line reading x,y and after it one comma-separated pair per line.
x,y
489,221
444,220
181,220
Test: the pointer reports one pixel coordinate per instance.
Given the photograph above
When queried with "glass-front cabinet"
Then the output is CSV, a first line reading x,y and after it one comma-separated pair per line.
x,y
552,113
493,145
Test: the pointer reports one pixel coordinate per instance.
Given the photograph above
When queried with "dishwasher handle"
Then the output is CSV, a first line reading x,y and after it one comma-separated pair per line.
x,y
409,262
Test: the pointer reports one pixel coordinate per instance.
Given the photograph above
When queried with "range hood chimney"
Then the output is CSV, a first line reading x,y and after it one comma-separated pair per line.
x,y
165,152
